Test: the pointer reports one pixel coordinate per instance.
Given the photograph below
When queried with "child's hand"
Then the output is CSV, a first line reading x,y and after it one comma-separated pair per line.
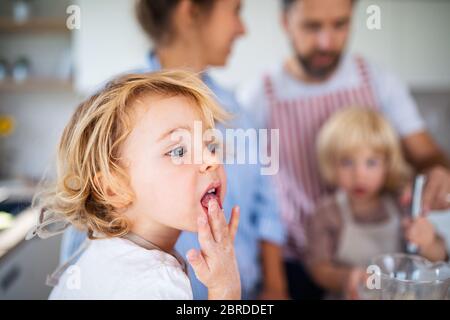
x,y
356,277
216,266
420,231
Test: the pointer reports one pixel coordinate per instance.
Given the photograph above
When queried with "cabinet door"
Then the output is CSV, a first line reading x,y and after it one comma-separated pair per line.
x,y
23,271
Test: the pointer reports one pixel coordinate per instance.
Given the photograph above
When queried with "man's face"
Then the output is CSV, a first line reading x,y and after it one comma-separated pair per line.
x,y
318,31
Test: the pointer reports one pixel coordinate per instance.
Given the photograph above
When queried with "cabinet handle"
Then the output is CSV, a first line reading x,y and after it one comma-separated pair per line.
x,y
10,277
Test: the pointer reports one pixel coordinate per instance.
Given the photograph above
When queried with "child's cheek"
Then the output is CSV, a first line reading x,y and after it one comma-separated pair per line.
x,y
343,179
378,180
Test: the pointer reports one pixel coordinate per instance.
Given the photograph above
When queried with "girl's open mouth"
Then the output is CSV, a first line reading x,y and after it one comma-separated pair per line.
x,y
359,191
212,193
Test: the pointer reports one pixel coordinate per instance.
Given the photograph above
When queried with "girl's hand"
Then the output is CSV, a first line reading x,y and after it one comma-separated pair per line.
x,y
420,231
215,264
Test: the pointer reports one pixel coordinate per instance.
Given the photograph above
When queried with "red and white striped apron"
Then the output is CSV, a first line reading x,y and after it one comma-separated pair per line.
x,y
299,121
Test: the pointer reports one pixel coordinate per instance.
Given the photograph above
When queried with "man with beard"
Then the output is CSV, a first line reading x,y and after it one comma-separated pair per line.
x,y
299,95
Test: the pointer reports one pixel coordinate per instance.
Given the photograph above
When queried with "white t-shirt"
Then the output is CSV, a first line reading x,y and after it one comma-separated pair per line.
x,y
117,268
393,97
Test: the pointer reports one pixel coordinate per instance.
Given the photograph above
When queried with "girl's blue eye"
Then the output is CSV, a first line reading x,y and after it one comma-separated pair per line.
x,y
178,152
372,162
346,162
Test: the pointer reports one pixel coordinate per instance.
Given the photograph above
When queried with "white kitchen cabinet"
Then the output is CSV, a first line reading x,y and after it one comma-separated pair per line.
x,y
24,269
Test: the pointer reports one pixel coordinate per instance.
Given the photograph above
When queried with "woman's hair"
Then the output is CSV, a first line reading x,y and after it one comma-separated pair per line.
x,y
92,183
155,16
354,128
286,4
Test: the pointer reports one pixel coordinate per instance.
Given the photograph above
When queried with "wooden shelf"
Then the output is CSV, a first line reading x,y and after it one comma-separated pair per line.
x,y
35,84
8,25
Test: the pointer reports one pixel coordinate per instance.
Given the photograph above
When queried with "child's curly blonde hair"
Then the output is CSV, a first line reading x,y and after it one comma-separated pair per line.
x,y
357,127
89,153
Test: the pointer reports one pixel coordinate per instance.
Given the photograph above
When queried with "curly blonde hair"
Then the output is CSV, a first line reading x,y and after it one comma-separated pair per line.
x,y
89,152
357,127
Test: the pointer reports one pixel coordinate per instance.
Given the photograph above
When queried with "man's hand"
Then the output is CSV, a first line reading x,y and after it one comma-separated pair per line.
x,y
215,265
436,191
425,155
422,233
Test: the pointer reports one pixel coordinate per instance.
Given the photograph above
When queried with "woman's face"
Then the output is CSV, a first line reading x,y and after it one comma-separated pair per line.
x,y
219,29
169,191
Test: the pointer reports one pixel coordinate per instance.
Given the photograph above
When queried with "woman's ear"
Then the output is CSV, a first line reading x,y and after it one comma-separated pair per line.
x,y
183,17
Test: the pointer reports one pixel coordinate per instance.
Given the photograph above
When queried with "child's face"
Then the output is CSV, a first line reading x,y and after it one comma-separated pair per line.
x,y
166,192
362,173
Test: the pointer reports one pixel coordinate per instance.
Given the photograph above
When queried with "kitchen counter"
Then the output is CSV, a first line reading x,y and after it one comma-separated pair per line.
x,y
15,198
12,236
25,265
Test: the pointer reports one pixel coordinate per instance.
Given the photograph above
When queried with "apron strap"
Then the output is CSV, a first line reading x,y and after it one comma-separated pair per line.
x,y
344,207
365,76
269,90
150,246
391,208
363,69
53,279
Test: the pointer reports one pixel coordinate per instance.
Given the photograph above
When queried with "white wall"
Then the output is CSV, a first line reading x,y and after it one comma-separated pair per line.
x,y
413,41
263,45
109,41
